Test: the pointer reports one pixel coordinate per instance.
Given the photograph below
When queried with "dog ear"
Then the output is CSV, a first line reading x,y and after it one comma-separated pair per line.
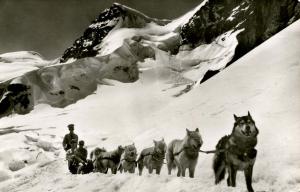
x,y
197,130
188,131
235,117
249,115
162,139
155,142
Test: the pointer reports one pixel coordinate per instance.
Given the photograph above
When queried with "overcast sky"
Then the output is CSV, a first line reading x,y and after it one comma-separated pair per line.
x,y
50,26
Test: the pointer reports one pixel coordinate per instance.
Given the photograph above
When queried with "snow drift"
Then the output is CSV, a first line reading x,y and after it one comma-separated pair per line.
x,y
125,45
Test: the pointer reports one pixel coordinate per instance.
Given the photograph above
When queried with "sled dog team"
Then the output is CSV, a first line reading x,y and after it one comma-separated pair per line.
x,y
233,152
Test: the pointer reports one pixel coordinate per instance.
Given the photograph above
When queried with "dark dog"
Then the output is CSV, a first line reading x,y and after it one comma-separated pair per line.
x,y
236,152
110,160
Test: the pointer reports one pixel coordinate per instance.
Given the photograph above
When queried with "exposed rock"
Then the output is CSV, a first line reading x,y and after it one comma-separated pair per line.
x,y
16,165
261,19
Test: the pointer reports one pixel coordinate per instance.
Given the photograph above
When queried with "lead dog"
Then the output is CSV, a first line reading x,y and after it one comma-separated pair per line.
x,y
183,154
236,152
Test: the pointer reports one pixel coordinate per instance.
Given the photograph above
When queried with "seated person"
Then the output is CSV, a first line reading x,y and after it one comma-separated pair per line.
x,y
86,165
81,152
73,162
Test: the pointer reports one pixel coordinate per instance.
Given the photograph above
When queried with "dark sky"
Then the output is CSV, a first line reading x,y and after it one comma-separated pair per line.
x,y
50,26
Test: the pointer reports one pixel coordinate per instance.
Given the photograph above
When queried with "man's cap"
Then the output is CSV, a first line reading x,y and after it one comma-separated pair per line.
x,y
81,142
71,126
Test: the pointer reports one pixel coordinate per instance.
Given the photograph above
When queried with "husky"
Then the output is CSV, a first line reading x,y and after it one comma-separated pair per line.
x,y
94,155
183,154
152,157
110,160
128,159
236,152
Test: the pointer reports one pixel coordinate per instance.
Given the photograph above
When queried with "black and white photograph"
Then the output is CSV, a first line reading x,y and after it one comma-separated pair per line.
x,y
149,96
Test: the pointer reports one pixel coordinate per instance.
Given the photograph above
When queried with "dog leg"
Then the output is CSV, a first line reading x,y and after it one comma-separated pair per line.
x,y
229,178
233,177
132,169
150,169
248,176
158,170
179,171
114,170
140,166
140,171
179,167
191,172
105,171
170,166
183,171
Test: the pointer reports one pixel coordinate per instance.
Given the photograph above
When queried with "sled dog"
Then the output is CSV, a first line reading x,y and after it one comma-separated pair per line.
x,y
128,159
109,160
236,152
184,153
152,157
94,155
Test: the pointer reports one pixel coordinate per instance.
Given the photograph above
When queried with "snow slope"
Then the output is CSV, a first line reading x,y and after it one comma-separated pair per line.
x,y
265,82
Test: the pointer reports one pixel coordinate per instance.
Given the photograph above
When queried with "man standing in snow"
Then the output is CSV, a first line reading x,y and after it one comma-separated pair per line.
x,y
69,137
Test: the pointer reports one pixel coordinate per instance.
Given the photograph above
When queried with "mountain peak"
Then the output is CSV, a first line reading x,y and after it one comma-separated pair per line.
x,y
116,16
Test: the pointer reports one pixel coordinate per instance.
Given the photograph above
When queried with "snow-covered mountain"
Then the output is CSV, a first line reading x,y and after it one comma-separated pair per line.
x,y
125,45
265,82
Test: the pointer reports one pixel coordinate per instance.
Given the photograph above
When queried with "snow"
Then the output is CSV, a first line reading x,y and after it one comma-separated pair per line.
x,y
234,12
265,82
62,84
15,64
117,36
213,56
237,10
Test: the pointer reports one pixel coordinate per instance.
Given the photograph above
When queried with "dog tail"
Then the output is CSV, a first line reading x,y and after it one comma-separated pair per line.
x,y
219,167
219,161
